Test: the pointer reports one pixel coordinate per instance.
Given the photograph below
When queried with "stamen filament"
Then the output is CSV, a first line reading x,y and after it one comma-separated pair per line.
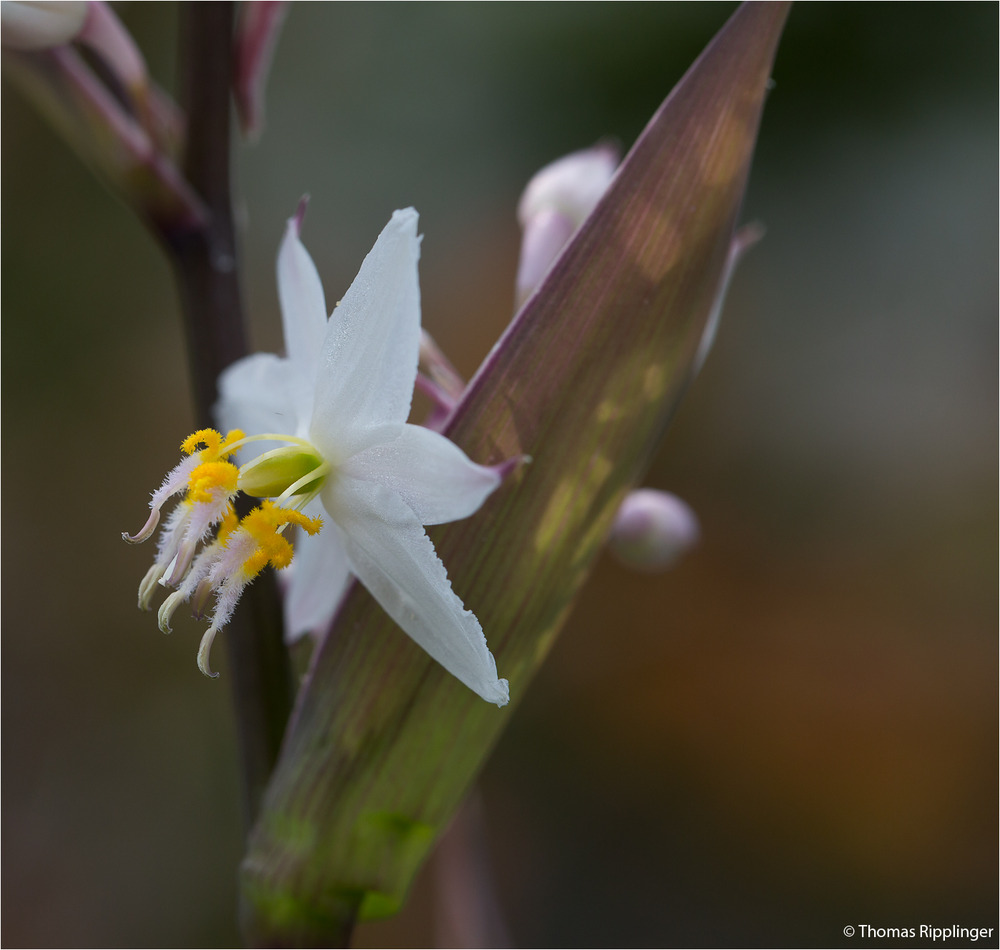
x,y
317,474
269,437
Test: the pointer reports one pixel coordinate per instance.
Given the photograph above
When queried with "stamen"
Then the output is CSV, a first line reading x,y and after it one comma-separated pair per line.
x,y
204,649
216,446
210,479
317,474
146,531
199,566
229,595
230,523
199,600
166,611
270,473
267,437
264,525
147,586
181,563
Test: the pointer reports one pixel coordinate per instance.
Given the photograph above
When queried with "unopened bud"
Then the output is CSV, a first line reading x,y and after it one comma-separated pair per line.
x,y
34,26
556,202
256,37
652,530
282,470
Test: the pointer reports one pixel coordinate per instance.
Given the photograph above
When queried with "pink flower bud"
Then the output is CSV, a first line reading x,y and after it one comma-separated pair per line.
x,y
556,202
256,38
35,26
652,530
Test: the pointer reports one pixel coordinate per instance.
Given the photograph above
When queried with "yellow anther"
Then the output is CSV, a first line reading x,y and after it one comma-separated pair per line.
x,y
206,437
263,524
215,447
272,516
272,548
207,478
230,522
232,437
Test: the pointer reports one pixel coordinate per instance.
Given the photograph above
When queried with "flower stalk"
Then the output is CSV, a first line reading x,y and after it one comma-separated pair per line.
x,y
205,265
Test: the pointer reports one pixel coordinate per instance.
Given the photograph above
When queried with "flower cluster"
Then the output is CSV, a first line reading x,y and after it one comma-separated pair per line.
x,y
347,461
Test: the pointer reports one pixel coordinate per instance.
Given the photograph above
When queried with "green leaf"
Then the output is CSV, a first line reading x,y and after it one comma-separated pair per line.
x,y
384,743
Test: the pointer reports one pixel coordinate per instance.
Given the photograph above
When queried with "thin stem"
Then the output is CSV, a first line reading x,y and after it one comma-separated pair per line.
x,y
205,262
467,911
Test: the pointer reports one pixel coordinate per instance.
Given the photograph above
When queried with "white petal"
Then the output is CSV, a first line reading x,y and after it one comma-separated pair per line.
x,y
303,313
255,395
369,361
316,579
392,556
429,472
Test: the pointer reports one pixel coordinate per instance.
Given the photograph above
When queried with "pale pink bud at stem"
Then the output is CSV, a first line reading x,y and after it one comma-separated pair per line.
x,y
556,202
652,530
544,237
256,37
105,34
33,26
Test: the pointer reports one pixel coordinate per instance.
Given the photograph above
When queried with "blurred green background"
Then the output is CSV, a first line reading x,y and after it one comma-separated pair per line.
x,y
795,729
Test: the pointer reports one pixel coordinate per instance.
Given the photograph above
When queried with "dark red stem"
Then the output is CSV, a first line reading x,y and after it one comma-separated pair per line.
x,y
206,262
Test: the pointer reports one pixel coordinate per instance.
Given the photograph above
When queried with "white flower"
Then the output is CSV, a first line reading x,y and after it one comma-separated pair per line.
x,y
336,406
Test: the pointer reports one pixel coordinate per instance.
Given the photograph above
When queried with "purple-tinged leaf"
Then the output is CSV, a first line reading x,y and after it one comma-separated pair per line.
x,y
384,743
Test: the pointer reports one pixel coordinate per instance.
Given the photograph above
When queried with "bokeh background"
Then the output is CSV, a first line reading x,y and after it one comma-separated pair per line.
x,y
792,731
